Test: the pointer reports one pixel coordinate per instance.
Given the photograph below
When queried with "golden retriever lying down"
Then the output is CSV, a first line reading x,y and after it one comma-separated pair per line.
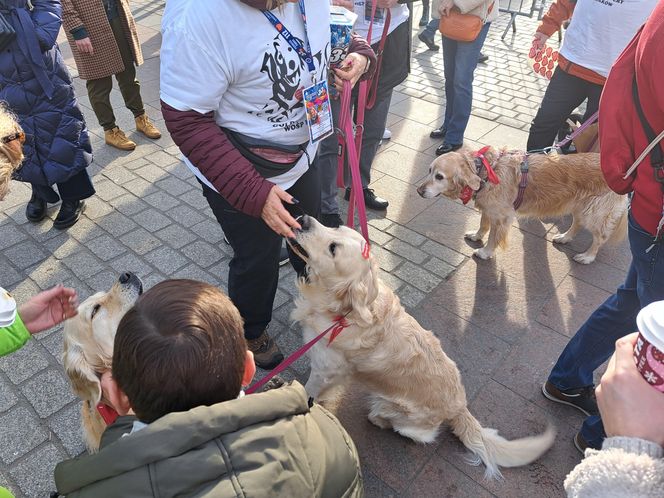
x,y
557,185
88,348
413,385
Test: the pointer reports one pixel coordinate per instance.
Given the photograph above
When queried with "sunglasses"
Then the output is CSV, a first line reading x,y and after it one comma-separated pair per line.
x,y
19,135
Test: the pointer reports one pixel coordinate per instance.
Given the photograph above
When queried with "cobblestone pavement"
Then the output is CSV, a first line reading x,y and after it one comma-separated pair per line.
x,y
504,321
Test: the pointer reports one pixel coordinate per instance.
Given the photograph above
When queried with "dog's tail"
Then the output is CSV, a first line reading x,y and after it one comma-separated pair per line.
x,y
494,450
620,231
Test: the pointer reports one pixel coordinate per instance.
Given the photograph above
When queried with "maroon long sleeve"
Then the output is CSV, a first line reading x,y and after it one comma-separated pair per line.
x,y
202,141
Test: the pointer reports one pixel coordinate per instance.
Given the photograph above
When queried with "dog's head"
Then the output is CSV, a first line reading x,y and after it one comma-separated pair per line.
x,y
339,262
89,336
11,148
451,173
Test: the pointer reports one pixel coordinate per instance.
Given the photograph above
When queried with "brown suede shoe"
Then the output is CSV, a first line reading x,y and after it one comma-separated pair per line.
x,y
145,126
118,139
266,352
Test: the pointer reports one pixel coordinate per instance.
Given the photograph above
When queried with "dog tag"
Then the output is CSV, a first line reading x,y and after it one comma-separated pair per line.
x,y
319,112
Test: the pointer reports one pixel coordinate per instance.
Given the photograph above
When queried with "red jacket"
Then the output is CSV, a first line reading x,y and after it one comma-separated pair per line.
x,y
621,134
201,140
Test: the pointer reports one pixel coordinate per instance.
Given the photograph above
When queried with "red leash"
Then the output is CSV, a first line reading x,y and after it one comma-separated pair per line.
x,y
337,326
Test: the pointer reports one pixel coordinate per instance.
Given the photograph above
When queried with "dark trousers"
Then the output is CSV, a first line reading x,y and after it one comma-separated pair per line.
x,y
76,188
595,341
564,94
254,269
99,90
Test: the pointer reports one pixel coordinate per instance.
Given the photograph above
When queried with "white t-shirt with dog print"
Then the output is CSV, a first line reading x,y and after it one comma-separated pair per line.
x,y
226,57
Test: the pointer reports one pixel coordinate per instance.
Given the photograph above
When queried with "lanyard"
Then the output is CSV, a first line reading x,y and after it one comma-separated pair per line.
x,y
304,51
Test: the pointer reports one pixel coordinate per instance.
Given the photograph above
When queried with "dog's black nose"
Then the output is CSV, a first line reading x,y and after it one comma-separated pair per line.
x,y
125,277
305,222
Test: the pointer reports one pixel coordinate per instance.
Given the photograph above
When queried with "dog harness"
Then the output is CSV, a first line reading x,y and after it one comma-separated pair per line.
x,y
523,183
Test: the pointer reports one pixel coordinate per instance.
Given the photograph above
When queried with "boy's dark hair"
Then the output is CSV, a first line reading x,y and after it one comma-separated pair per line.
x,y
180,346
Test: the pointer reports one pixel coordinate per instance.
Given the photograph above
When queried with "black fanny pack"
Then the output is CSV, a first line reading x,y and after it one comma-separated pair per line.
x,y
270,159
7,33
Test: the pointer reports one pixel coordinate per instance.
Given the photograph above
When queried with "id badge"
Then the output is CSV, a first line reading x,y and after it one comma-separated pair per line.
x,y
319,113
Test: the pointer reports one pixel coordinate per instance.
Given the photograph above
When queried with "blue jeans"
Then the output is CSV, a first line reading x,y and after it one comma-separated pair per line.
x,y
460,61
431,28
595,341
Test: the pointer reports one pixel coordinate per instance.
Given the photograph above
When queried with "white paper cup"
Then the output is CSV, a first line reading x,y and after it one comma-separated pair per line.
x,y
649,348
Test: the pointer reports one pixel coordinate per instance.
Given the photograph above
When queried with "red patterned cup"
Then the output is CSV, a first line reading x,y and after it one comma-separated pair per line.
x,y
649,348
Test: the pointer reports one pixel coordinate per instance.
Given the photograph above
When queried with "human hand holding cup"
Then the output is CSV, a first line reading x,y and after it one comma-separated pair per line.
x,y
629,406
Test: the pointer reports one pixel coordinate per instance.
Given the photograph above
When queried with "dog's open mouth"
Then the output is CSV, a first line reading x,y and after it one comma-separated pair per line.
x,y
298,249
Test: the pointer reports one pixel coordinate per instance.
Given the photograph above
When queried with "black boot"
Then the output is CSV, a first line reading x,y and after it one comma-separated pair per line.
x,y
36,209
69,213
371,200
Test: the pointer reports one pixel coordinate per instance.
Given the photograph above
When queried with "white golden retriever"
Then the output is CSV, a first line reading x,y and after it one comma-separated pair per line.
x,y
88,348
413,385
558,185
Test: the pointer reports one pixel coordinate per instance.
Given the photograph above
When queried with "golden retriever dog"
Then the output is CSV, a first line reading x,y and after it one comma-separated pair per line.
x,y
88,348
558,185
11,148
413,386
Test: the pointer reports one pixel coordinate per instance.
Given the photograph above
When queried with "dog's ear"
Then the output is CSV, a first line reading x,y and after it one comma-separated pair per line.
x,y
357,295
83,378
467,173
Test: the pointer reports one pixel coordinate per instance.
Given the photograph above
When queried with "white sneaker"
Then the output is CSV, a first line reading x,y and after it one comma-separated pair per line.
x,y
387,134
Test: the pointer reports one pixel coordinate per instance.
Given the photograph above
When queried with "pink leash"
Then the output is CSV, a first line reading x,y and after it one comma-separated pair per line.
x,y
576,132
337,326
352,147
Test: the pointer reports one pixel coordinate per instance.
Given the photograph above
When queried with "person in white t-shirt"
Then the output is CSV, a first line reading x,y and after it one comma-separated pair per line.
x,y
597,33
231,92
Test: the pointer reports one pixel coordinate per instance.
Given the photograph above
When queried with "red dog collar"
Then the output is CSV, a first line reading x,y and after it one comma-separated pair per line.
x,y
466,194
107,413
490,173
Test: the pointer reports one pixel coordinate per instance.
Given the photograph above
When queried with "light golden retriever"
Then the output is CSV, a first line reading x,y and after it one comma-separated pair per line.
x,y
11,152
557,185
88,348
413,385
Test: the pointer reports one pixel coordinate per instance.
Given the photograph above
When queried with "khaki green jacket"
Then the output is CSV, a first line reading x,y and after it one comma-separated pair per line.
x,y
269,444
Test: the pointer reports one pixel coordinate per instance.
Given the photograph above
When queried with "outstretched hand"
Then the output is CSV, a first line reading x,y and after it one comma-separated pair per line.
x,y
49,308
629,406
276,216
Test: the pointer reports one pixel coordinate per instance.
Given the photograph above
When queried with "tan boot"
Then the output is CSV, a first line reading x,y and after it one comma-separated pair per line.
x,y
118,139
145,126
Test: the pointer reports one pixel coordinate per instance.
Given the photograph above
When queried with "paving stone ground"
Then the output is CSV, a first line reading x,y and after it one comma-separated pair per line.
x,y
503,321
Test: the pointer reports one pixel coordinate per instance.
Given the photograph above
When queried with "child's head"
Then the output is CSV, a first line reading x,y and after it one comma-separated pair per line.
x,y
11,147
180,346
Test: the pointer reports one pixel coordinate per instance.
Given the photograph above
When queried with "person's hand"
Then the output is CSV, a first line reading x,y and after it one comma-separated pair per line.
x,y
386,4
629,406
348,4
539,39
444,7
49,308
84,46
275,214
350,69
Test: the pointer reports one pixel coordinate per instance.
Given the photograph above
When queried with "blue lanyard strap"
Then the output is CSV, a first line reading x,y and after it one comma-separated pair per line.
x,y
302,50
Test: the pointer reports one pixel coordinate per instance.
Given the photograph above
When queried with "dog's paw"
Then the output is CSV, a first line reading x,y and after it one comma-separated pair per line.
x,y
473,235
483,253
584,258
561,238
